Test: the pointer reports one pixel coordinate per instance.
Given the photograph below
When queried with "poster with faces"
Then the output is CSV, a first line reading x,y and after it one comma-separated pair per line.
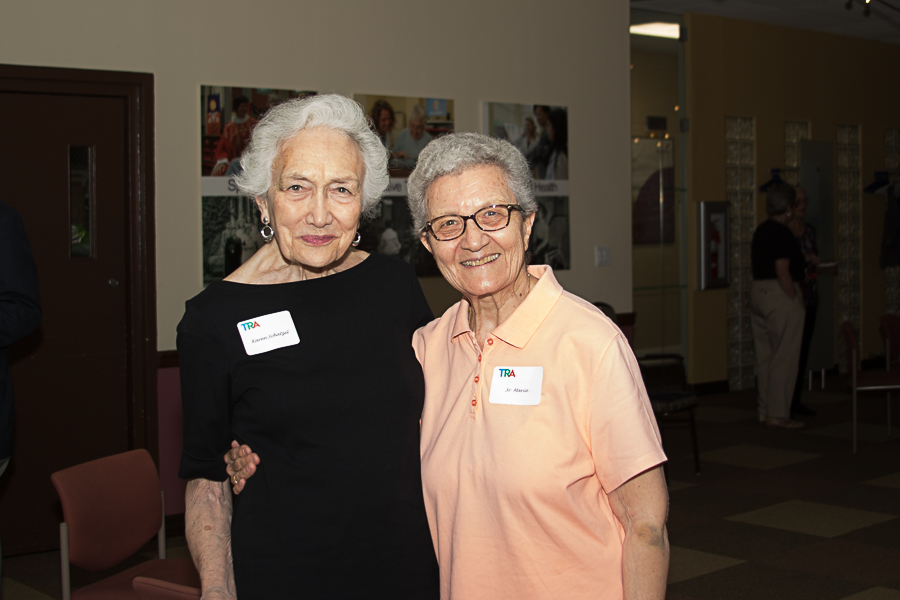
x,y
405,125
541,133
230,221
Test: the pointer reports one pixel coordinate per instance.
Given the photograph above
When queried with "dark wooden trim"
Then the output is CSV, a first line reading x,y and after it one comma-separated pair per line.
x,y
137,90
167,359
711,387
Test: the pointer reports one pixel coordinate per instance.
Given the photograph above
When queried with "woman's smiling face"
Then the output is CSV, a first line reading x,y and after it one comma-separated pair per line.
x,y
315,200
478,263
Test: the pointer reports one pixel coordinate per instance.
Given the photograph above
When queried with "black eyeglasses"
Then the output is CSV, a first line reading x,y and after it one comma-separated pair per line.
x,y
489,218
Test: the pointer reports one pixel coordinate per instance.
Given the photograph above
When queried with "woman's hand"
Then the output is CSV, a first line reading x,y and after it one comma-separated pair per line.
x,y
241,465
813,259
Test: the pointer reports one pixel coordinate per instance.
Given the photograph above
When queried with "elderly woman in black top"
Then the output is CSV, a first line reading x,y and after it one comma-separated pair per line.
x,y
777,312
304,353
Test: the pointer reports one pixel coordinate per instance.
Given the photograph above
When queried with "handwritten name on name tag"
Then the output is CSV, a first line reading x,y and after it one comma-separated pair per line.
x,y
268,332
517,385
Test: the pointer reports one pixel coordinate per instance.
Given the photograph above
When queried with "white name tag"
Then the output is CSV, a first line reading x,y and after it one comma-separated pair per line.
x,y
268,332
517,385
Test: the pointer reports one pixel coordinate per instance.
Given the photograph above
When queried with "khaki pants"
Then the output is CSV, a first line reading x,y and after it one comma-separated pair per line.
x,y
777,334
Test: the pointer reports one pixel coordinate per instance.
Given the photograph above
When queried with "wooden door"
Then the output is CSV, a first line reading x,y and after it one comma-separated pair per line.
x,y
69,172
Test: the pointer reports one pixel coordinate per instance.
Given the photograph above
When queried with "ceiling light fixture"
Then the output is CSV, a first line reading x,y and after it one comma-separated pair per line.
x,y
659,29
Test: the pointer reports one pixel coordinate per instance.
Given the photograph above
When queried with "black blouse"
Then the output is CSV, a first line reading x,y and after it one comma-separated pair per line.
x,y
772,241
335,509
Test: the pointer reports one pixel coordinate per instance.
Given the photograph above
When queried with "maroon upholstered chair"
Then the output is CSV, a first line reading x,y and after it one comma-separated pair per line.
x,y
148,588
868,381
112,507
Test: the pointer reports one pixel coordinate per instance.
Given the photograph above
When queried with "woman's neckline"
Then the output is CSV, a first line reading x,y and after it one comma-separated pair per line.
x,y
331,277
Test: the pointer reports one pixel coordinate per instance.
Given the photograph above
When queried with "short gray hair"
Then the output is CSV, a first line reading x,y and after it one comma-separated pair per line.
x,y
779,197
416,112
286,120
457,152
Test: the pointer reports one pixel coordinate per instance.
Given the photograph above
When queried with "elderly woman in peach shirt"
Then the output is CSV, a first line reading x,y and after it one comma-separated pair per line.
x,y
541,458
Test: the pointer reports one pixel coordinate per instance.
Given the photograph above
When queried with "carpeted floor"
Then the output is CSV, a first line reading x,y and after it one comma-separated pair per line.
x,y
774,514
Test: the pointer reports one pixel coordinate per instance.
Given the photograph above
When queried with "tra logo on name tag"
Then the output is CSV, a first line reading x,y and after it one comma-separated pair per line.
x,y
269,332
517,385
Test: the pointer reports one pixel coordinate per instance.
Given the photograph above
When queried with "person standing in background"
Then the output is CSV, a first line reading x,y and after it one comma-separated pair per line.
x,y
806,235
20,312
776,309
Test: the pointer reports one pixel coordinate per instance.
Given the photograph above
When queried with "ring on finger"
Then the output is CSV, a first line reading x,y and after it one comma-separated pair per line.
x,y
235,478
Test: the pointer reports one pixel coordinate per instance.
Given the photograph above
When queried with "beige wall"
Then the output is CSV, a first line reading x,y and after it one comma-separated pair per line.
x,y
776,74
574,55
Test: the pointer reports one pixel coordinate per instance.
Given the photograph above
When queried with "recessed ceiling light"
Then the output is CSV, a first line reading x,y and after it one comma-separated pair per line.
x,y
666,30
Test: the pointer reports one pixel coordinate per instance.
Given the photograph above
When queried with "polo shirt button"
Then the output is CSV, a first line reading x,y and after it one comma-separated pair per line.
x,y
477,379
474,402
479,358
491,342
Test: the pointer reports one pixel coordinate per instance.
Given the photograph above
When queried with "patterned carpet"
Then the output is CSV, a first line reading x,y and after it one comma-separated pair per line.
x,y
786,514
774,515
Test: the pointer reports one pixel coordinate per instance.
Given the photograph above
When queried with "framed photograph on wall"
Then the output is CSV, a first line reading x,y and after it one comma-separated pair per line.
x,y
714,265
230,220
541,134
405,125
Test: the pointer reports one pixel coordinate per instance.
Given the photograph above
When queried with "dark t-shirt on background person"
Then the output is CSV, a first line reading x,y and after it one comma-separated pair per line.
x,y
773,241
20,308
336,508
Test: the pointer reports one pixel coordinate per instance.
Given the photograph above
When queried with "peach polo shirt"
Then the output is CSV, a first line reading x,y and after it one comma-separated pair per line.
x,y
517,495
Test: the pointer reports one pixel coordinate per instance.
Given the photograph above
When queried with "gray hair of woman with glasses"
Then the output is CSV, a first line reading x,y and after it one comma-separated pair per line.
x,y
457,152
331,111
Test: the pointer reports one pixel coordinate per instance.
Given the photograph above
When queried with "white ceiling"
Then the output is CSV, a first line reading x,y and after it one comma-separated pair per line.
x,y
830,16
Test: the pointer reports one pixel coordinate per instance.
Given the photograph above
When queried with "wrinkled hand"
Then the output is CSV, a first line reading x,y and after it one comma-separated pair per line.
x,y
242,461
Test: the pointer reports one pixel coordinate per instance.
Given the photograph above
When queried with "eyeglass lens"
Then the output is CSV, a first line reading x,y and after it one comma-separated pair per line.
x,y
490,218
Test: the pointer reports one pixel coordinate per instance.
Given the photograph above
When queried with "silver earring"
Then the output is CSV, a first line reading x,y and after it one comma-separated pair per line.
x,y
267,232
356,240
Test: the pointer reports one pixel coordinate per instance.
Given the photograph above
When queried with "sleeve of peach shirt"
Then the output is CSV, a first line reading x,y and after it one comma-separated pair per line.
x,y
624,436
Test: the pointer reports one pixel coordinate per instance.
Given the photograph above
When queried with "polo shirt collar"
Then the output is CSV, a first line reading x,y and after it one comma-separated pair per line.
x,y
525,320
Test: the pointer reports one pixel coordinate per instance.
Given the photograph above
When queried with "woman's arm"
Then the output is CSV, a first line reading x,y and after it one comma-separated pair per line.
x,y
207,526
641,504
783,274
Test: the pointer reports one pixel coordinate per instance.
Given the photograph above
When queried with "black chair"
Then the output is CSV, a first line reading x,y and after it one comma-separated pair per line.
x,y
666,382
609,311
